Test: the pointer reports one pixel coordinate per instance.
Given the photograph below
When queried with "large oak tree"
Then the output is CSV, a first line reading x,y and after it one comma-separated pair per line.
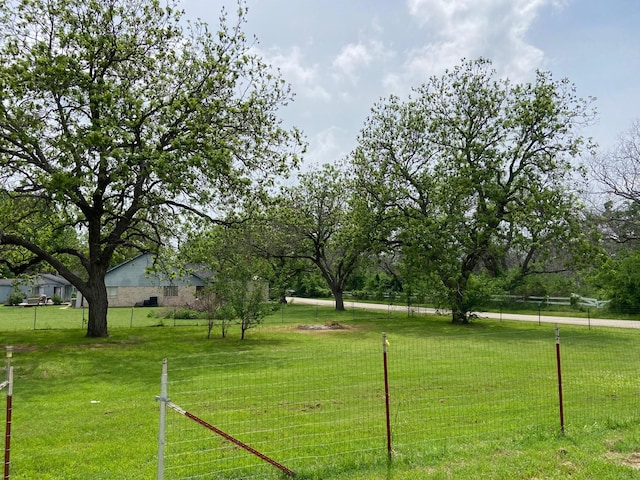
x,y
120,120
318,222
472,168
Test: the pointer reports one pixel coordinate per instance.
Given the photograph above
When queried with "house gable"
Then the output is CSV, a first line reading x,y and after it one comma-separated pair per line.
x,y
132,273
135,273
132,283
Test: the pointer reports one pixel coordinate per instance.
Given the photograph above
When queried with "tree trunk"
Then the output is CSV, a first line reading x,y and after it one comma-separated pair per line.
x,y
459,308
98,307
96,295
459,317
209,327
243,328
223,326
337,295
335,283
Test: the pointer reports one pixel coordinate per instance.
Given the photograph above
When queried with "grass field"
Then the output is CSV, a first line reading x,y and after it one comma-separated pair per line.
x,y
86,408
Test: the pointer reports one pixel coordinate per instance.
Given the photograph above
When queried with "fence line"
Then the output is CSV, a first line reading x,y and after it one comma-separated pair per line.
x,y
8,384
65,317
320,409
284,411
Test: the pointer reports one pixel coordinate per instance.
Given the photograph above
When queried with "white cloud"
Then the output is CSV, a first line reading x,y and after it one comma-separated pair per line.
x,y
306,80
351,57
458,29
327,146
427,11
356,57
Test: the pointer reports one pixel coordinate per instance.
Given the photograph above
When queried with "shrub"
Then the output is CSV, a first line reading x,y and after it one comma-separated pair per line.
x,y
15,298
187,314
182,313
56,299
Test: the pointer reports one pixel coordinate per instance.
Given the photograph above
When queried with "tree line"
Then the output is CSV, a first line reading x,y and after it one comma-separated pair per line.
x,y
123,130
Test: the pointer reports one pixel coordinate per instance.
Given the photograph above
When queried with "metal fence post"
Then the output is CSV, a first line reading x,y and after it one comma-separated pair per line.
x,y
385,344
560,402
7,436
163,417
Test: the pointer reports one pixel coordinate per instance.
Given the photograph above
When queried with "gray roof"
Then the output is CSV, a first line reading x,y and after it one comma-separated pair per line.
x,y
39,279
48,278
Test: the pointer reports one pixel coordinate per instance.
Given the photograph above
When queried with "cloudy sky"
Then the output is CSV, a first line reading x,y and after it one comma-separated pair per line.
x,y
342,56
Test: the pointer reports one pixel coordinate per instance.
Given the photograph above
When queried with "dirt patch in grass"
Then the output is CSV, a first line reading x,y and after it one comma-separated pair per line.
x,y
327,327
630,460
633,460
24,348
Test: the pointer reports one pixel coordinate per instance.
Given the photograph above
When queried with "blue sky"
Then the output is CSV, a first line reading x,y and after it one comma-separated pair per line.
x,y
342,56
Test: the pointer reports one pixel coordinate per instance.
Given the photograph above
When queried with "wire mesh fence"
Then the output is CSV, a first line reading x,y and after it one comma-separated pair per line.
x,y
320,409
6,389
601,377
65,317
284,406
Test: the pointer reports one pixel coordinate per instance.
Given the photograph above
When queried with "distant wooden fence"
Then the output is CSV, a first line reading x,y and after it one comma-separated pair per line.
x,y
546,300
575,300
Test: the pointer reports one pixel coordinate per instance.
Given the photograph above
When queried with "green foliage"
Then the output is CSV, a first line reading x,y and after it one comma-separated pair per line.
x,y
619,279
35,219
318,221
559,285
56,299
238,291
118,123
381,284
469,175
15,298
182,313
212,305
248,301
616,170
310,285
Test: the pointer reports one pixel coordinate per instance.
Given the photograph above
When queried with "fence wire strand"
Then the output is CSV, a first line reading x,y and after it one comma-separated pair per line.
x,y
320,409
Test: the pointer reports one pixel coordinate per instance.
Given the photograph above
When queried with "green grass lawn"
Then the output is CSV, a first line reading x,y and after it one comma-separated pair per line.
x,y
467,402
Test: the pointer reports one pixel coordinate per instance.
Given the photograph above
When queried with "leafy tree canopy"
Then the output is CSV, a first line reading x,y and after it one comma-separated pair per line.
x,y
239,288
120,123
472,168
319,222
619,281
